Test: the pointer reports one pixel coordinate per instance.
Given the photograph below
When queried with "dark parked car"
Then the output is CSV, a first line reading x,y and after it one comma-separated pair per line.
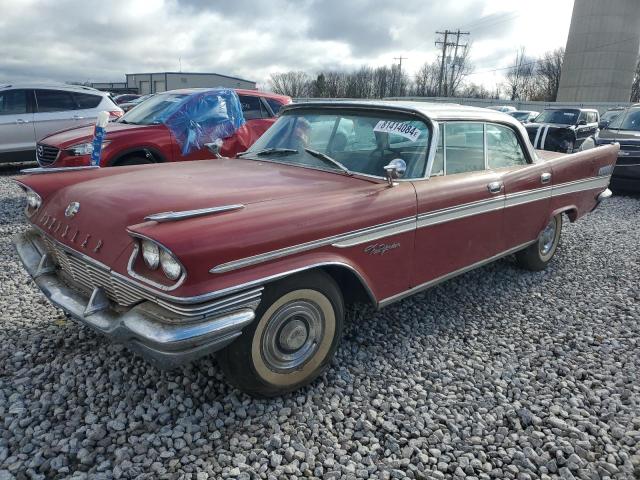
x,y
625,130
125,98
565,130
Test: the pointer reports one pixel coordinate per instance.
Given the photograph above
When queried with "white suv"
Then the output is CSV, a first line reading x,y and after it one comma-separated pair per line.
x,y
30,112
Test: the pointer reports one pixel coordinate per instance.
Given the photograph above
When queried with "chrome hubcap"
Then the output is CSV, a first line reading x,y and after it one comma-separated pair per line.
x,y
547,238
292,336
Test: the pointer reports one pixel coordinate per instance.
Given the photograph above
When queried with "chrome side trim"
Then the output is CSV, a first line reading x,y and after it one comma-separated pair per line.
x,y
580,185
184,214
527,196
460,211
436,281
377,231
41,170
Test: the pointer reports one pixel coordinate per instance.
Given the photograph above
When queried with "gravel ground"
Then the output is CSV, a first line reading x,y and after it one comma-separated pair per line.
x,y
500,373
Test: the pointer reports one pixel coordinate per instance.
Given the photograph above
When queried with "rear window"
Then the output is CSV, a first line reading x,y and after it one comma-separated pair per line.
x,y
86,100
13,102
54,101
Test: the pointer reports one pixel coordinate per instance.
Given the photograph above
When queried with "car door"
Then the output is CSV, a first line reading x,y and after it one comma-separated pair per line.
x,y
527,186
17,135
460,207
55,110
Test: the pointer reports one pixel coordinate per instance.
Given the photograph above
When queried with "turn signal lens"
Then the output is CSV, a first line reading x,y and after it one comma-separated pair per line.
x,y
150,254
170,266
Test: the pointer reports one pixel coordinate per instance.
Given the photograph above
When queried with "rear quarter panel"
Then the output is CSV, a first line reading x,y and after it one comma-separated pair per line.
x,y
578,178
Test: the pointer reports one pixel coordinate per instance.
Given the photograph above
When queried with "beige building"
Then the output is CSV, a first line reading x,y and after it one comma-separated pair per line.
x,y
601,52
145,83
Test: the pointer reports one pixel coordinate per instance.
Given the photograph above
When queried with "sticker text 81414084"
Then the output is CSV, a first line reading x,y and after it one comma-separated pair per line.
x,y
404,129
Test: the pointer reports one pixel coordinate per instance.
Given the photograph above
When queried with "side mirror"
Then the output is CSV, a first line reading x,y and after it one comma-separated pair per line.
x,y
582,122
603,124
214,147
395,169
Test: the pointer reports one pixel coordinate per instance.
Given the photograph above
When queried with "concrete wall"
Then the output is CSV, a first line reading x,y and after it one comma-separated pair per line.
x,y
601,52
163,81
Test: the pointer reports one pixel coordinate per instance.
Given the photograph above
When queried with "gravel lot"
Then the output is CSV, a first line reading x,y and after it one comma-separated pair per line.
x,y
500,373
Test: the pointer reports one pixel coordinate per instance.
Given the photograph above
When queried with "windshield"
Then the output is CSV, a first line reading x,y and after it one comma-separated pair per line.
x,y
562,116
628,120
154,110
355,141
519,115
610,115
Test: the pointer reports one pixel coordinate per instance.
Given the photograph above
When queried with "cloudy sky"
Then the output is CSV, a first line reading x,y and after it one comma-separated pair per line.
x,y
67,40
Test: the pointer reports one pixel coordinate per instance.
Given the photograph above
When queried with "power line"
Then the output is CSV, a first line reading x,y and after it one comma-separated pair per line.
x,y
593,50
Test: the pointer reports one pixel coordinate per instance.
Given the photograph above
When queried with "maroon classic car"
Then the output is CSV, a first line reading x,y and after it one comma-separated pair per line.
x,y
255,258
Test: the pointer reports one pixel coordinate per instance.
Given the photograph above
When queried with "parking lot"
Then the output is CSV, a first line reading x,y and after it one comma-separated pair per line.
x,y
500,373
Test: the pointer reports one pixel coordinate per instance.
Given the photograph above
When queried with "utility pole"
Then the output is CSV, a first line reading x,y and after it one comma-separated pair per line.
x,y
455,57
444,44
443,84
400,58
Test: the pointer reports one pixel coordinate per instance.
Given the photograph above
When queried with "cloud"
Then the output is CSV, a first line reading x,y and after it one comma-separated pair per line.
x,y
71,40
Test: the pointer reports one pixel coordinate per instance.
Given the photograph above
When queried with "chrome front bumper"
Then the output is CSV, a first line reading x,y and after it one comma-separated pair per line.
x,y
167,344
604,195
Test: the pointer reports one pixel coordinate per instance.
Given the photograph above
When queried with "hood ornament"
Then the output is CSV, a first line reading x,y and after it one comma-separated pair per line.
x,y
72,209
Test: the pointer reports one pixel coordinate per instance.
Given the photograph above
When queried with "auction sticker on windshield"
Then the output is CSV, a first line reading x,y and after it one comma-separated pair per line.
x,y
403,129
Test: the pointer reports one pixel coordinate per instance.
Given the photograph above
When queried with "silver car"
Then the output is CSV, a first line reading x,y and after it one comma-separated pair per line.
x,y
30,112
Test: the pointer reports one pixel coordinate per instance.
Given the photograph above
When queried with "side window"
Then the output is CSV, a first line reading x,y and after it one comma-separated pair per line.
x,y
54,101
503,148
13,102
583,116
252,108
86,100
594,117
274,104
464,151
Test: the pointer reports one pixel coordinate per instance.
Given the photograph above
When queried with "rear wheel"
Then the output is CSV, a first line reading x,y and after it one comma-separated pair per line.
x,y
132,160
537,256
293,339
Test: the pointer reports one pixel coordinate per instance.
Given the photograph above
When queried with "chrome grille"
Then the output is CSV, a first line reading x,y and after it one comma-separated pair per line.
x,y
46,154
86,276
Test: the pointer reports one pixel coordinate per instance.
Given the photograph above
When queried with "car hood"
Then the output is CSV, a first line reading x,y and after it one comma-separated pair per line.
x,y
66,138
535,126
622,136
113,200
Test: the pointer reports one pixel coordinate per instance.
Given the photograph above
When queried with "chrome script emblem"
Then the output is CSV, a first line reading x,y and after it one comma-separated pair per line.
x,y
381,248
72,209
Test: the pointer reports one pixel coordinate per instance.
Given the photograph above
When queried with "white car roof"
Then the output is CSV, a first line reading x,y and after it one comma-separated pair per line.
x,y
50,85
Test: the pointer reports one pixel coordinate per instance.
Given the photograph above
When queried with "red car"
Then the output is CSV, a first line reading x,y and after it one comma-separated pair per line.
x,y
255,258
140,136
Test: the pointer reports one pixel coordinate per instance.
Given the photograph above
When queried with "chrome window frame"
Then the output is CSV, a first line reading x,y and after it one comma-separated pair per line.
x,y
527,155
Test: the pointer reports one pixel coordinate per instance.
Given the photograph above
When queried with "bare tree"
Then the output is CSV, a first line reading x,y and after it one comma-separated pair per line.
x,y
294,84
426,80
520,77
548,70
635,86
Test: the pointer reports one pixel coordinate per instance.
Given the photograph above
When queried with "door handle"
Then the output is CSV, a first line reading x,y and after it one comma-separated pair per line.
x,y
494,187
21,120
545,177
77,117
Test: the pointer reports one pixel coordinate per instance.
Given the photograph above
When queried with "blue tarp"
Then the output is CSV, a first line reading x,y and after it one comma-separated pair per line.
x,y
205,117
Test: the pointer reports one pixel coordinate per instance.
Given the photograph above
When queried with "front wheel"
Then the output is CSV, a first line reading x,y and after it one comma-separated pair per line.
x,y
293,339
537,256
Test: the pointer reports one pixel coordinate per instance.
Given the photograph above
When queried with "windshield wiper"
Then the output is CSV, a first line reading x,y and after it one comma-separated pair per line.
x,y
328,159
270,151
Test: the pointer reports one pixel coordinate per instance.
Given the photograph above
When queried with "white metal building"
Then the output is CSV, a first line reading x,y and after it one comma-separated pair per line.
x,y
162,81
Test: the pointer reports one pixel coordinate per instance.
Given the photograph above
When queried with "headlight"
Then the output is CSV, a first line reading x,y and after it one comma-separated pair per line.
x,y
170,266
150,254
33,200
85,148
